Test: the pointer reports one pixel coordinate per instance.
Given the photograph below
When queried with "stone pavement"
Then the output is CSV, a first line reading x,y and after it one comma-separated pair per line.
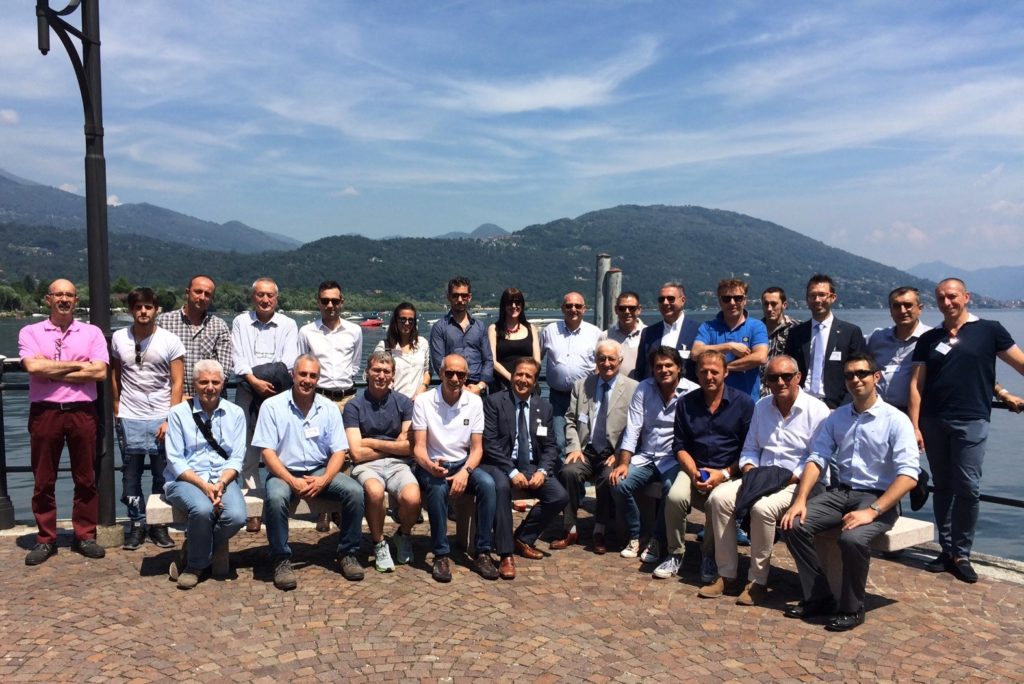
x,y
571,617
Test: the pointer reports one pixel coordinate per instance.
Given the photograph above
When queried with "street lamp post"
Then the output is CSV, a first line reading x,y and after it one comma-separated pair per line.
x,y
87,71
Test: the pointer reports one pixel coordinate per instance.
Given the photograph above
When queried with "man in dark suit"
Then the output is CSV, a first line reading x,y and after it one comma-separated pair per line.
x,y
673,330
593,429
822,344
520,451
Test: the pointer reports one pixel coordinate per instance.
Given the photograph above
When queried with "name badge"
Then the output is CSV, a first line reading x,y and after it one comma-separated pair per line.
x,y
312,432
891,369
684,353
836,356
542,431
943,348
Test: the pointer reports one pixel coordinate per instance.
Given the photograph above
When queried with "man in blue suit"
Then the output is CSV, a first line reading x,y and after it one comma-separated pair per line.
x,y
520,451
674,330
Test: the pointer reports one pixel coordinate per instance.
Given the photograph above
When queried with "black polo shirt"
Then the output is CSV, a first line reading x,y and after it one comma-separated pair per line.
x,y
377,419
713,440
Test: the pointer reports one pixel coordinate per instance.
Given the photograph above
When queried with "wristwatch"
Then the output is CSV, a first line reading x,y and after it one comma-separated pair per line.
x,y
876,508
726,473
469,471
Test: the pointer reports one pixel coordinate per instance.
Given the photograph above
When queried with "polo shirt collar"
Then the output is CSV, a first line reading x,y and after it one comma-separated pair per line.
x,y
50,326
197,407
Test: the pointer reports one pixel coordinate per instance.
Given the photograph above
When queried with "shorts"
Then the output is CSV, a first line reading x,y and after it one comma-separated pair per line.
x,y
393,473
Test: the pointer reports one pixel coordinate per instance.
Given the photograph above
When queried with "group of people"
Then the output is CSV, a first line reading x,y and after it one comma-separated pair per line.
x,y
761,423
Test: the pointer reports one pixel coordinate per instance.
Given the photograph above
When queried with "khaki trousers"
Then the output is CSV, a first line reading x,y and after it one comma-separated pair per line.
x,y
764,517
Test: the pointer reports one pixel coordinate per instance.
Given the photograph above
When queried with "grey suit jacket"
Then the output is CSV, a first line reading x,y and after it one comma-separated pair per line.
x,y
580,416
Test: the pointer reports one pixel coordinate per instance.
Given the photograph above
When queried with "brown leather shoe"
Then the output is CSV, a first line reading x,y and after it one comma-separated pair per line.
x,y
519,506
565,542
600,546
527,551
323,522
507,569
253,524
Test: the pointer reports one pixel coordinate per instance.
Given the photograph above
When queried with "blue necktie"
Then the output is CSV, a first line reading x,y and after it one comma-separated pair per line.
x,y
523,439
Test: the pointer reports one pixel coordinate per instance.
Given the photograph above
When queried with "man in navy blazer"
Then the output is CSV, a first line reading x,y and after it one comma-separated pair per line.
x,y
505,415
822,345
673,330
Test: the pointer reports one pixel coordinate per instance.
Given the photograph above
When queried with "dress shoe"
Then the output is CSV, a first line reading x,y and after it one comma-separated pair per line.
x,y
600,545
88,548
159,536
519,506
484,566
39,553
942,563
528,551
253,524
963,571
323,522
442,570
845,621
565,542
806,610
507,569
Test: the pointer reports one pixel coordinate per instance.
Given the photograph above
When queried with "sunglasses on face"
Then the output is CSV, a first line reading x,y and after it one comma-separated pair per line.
x,y
406,319
461,375
324,301
775,377
670,299
859,374
459,295
626,308
573,306
514,303
732,299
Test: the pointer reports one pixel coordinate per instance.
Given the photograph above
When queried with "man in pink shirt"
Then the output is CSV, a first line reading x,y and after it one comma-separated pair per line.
x,y
65,359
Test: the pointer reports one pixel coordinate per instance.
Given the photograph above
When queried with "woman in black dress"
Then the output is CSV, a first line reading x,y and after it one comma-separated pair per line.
x,y
511,337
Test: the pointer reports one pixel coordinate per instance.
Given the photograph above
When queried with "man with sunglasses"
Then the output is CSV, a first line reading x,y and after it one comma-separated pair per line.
x,y
892,348
64,359
568,348
457,332
771,461
743,340
627,330
147,376
447,428
876,457
674,330
204,335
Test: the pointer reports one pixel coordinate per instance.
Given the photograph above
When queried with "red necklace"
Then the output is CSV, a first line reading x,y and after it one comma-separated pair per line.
x,y
511,331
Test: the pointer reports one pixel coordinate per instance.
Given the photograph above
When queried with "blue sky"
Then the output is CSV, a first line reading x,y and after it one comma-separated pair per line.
x,y
893,130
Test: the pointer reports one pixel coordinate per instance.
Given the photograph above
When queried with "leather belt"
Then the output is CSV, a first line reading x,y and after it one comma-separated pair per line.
x,y
336,394
64,407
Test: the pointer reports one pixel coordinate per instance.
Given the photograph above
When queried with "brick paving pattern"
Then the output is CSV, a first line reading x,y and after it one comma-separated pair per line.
x,y
571,617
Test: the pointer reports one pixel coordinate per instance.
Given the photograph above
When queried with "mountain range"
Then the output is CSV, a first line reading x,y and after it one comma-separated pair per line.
x,y
1001,282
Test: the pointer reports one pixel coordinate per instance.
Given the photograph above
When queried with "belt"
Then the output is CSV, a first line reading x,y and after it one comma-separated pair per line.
x,y
561,392
64,407
847,488
336,394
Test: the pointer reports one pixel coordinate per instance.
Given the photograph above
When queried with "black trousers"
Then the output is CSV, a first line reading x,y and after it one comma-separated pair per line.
x,y
590,469
550,495
825,512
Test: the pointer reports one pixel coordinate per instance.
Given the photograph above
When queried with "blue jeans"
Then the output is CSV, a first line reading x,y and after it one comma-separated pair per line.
x,y
955,450
137,439
625,492
205,529
280,497
559,405
434,491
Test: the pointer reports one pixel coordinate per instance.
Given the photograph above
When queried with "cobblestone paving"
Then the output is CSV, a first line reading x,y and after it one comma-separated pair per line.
x,y
571,617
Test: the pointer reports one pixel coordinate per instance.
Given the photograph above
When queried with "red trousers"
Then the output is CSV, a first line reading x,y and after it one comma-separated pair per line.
x,y
49,429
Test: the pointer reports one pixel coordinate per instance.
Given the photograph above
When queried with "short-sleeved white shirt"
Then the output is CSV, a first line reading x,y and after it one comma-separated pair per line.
x,y
146,386
449,428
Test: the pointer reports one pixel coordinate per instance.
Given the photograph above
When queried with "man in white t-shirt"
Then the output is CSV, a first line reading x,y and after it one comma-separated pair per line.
x,y
148,370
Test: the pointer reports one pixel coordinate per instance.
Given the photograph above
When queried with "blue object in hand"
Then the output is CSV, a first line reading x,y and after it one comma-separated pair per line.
x,y
703,475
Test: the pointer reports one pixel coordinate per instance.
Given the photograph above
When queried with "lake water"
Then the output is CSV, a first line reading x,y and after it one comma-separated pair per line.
x,y
998,526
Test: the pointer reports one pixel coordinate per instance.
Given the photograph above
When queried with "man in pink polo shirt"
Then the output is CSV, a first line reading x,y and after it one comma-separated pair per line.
x,y
65,359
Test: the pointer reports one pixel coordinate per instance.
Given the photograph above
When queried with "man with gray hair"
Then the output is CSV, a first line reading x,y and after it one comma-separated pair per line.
x,y
264,344
205,444
674,330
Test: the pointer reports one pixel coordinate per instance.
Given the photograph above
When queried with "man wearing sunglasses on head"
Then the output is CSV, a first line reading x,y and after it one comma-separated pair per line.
x,y
147,380
743,340
873,448
627,330
674,330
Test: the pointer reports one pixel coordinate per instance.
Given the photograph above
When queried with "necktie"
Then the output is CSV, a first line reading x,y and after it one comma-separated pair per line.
x,y
523,439
599,437
818,358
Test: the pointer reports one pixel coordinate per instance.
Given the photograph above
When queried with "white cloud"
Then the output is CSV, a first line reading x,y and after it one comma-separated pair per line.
x,y
991,176
8,117
68,187
1008,208
113,201
348,191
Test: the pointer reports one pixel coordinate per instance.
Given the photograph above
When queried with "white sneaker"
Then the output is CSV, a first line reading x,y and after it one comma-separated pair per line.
x,y
669,567
632,549
382,557
651,553
403,549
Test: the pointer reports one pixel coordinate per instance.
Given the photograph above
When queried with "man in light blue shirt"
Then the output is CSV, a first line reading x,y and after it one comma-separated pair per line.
x,y
304,448
892,348
876,456
202,475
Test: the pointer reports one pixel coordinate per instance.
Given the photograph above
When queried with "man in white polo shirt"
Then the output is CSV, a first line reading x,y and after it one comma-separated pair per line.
x,y
448,427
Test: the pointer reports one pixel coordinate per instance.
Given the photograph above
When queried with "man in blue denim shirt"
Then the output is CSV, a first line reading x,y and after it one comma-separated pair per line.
x,y
459,333
304,448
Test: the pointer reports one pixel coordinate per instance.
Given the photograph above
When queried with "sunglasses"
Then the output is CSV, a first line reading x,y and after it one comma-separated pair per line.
x,y
138,355
324,301
670,299
459,295
775,377
461,375
513,303
58,346
627,309
733,299
859,374
573,306
405,319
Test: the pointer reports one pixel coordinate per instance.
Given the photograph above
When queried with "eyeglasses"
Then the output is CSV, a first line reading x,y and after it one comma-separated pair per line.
x,y
775,377
335,301
138,355
267,295
859,374
406,319
811,296
568,305
607,359
669,298
902,305
461,375
732,299
61,295
624,308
